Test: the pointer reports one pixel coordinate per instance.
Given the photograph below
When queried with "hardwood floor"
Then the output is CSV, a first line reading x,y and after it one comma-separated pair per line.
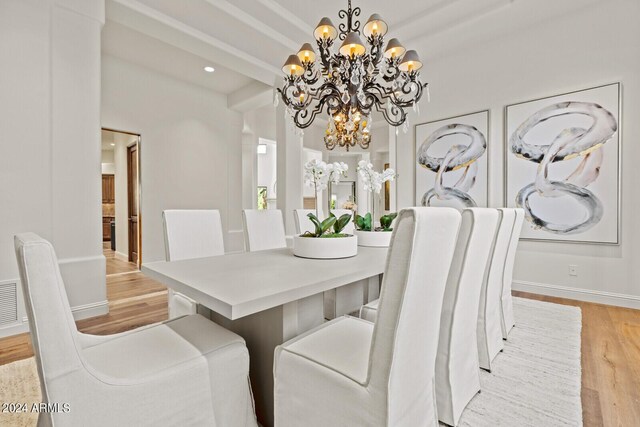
x,y
610,362
134,301
610,344
116,265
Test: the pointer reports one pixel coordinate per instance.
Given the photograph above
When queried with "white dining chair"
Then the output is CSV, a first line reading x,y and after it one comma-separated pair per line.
x,y
350,372
190,233
457,368
506,303
263,229
302,221
187,371
489,327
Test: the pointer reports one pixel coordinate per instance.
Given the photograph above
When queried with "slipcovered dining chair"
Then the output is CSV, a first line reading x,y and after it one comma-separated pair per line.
x,y
302,221
350,372
190,233
187,371
457,369
489,327
506,303
263,229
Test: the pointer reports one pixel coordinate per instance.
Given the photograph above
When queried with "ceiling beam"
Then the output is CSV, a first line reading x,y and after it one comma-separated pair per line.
x,y
250,97
252,22
153,23
286,14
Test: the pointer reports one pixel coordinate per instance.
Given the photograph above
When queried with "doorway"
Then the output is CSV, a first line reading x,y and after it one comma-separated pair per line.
x,y
121,219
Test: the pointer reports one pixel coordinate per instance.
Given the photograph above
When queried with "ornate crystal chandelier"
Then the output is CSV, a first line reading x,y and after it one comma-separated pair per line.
x,y
354,81
347,131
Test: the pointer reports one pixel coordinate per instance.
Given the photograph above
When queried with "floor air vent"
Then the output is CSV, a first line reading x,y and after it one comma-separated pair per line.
x,y
8,303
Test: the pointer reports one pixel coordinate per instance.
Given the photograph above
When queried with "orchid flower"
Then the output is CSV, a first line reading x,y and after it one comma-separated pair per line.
x,y
372,180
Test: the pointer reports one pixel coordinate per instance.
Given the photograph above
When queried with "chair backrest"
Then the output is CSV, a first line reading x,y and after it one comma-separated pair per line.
x,y
469,269
406,333
53,331
302,221
499,257
349,229
192,234
513,246
489,321
263,229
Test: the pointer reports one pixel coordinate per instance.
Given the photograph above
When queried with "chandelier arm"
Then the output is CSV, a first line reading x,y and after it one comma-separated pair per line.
x,y
390,94
290,93
324,47
392,71
389,115
310,75
303,117
376,42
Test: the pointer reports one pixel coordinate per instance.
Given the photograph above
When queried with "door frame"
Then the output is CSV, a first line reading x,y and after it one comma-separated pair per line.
x,y
139,181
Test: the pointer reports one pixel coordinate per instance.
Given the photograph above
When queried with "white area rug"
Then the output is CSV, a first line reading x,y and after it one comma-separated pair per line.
x,y
536,380
19,383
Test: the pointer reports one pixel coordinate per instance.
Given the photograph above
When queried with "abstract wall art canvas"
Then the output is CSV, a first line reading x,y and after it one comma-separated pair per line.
x,y
451,161
563,165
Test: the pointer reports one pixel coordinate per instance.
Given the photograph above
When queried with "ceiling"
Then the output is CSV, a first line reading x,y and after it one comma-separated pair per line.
x,y
111,137
133,46
254,37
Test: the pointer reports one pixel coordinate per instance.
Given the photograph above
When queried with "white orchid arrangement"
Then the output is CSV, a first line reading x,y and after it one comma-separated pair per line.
x,y
318,174
372,179
372,182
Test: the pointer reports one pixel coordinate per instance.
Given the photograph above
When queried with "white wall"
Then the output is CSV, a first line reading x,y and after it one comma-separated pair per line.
x,y
190,149
597,45
50,142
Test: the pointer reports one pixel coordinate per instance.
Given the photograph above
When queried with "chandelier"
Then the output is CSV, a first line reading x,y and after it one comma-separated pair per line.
x,y
347,131
355,80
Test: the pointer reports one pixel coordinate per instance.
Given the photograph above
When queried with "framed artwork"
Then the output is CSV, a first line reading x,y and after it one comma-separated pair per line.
x,y
563,165
451,161
387,191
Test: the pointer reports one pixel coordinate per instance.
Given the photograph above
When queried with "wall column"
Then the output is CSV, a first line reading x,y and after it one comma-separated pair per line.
x,y
50,177
290,175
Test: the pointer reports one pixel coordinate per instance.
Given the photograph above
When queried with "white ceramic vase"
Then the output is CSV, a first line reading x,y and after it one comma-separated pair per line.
x,y
325,247
375,239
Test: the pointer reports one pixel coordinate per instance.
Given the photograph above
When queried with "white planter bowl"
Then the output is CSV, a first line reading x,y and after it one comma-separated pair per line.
x,y
325,248
376,239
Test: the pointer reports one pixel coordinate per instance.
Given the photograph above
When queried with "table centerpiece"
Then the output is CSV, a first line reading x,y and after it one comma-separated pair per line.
x,y
327,241
366,230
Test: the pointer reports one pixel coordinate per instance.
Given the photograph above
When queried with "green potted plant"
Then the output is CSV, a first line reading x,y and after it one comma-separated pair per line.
x,y
368,233
327,240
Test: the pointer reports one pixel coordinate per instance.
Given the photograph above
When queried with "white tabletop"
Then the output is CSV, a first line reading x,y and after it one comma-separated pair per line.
x,y
237,285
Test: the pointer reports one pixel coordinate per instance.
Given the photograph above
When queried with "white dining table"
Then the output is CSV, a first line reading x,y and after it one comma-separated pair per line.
x,y
267,297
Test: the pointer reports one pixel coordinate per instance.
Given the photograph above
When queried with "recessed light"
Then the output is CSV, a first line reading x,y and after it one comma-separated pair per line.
x,y
209,69
112,144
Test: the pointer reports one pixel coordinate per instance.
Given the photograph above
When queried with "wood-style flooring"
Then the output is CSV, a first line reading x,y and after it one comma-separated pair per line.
x,y
610,344
116,265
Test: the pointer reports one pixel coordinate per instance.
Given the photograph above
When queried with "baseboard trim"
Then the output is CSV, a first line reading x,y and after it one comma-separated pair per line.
x,y
121,256
90,310
79,312
85,311
587,295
